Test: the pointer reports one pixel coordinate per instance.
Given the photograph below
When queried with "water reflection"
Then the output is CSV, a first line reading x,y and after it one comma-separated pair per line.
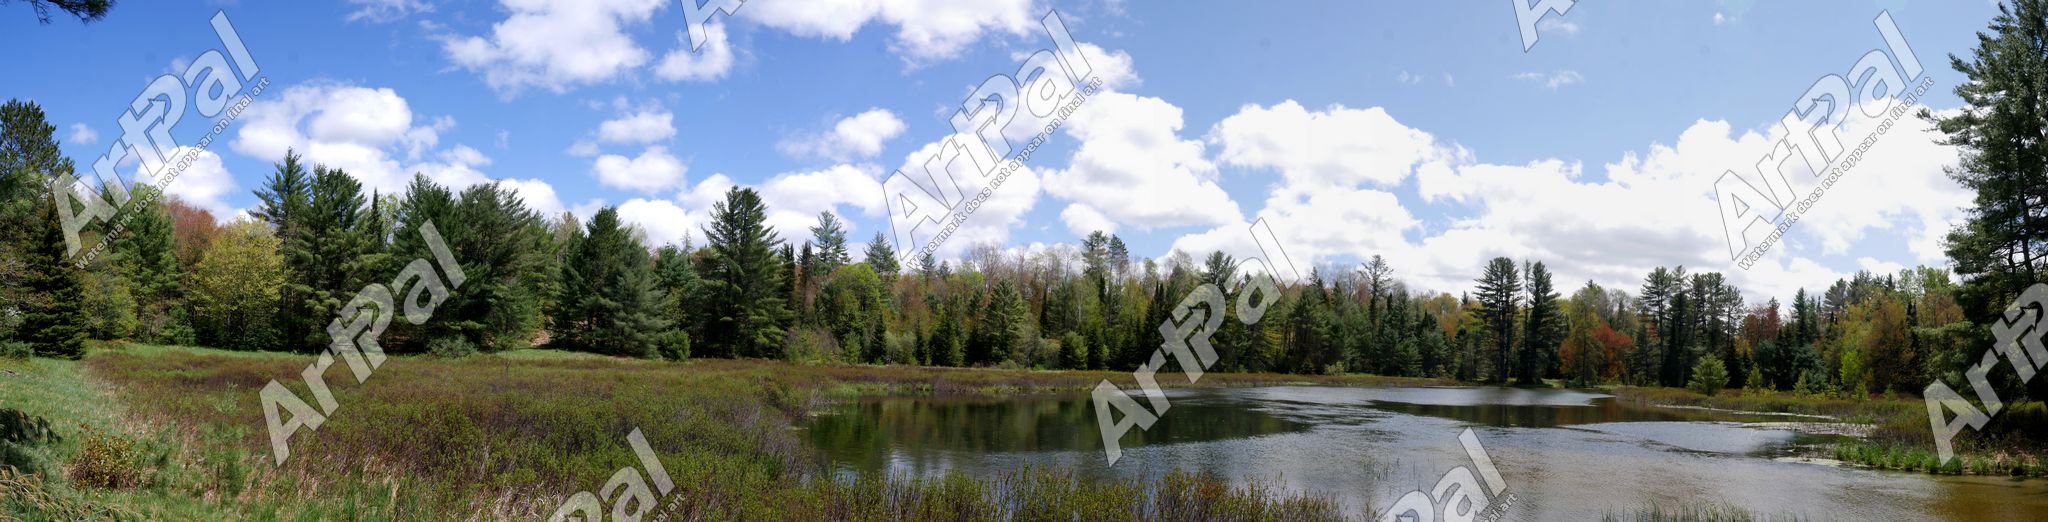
x,y
1568,455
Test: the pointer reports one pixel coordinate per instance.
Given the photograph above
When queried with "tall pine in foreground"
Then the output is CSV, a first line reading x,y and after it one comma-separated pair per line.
x,y
744,292
2001,247
52,322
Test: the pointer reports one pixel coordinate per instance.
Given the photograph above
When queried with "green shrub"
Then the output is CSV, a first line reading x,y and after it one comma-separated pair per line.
x,y
16,350
1708,377
452,347
673,345
105,461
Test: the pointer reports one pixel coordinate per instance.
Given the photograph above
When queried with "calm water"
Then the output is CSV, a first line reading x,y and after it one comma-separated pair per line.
x,y
1566,455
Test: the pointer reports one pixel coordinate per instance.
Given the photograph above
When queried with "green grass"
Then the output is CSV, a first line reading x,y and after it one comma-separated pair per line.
x,y
511,436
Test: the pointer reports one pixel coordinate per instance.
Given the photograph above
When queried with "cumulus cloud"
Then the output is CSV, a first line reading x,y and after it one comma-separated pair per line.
x,y
1342,199
366,131
1129,145
644,126
859,136
204,184
926,30
82,135
654,170
709,62
1338,146
555,44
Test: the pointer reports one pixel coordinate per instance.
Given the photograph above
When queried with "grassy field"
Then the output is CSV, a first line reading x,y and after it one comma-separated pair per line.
x,y
1899,439
137,431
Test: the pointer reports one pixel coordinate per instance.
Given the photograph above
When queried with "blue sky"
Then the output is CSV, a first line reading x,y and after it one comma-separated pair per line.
x,y
1417,130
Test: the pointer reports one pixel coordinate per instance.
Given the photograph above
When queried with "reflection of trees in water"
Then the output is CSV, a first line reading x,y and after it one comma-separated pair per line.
x,y
868,434
1600,411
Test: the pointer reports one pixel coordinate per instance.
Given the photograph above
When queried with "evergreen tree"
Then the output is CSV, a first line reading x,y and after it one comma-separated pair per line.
x,y
745,303
1544,329
29,158
882,257
52,322
831,240
1500,291
501,247
610,303
282,203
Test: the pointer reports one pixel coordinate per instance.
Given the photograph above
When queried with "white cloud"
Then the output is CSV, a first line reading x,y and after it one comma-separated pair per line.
x,y
1083,219
1130,146
1553,80
386,10
362,130
204,184
795,199
645,126
653,170
926,30
664,221
1337,146
82,135
555,44
1645,210
538,195
707,63
859,136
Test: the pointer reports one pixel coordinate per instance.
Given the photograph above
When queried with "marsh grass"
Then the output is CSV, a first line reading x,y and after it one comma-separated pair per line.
x,y
511,436
1694,512
1900,438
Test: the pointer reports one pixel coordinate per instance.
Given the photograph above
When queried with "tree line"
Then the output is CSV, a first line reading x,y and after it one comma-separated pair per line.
x,y
270,281
274,279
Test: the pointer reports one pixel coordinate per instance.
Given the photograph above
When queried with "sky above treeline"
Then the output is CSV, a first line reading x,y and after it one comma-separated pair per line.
x,y
1420,131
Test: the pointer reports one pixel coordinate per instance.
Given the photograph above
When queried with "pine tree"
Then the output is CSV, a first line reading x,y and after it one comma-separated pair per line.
x,y
29,158
610,303
52,322
831,240
744,281
501,247
1500,291
147,257
1543,330
283,202
882,257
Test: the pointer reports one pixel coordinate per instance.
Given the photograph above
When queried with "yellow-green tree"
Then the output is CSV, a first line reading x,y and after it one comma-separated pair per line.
x,y
234,289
